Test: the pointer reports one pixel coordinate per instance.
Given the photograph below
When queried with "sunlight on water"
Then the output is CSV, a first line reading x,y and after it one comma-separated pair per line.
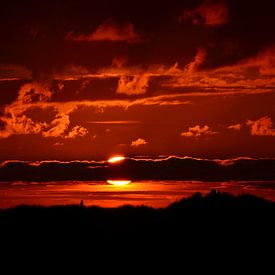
x,y
151,193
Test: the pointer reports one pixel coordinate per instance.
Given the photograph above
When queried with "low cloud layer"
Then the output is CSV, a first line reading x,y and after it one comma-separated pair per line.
x,y
172,168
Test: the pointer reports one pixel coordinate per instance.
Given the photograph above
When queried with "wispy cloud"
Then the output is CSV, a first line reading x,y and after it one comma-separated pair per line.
x,y
252,75
14,72
198,61
198,131
236,127
108,31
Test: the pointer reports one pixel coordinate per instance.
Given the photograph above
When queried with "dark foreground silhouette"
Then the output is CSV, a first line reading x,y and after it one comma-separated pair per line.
x,y
216,226
202,217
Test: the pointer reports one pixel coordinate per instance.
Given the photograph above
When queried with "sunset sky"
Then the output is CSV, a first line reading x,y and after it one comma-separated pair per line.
x,y
91,79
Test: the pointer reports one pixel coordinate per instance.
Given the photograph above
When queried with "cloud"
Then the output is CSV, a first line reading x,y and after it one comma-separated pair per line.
x,y
58,126
236,127
77,131
173,168
33,95
261,127
209,13
264,60
109,31
249,76
198,131
198,60
133,85
19,125
14,72
139,142
34,92
15,119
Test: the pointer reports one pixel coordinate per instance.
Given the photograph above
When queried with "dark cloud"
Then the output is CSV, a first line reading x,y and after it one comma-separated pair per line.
x,y
108,31
209,13
40,30
172,168
219,58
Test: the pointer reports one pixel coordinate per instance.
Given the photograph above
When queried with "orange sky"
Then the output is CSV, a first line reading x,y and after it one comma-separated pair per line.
x,y
87,80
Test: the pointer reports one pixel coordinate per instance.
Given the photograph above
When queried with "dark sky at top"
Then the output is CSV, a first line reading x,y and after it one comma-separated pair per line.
x,y
89,79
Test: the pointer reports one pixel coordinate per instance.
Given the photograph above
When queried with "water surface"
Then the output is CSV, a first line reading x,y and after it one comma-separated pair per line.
x,y
100,193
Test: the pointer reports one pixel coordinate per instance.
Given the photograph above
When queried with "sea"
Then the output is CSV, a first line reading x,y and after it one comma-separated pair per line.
x,y
157,194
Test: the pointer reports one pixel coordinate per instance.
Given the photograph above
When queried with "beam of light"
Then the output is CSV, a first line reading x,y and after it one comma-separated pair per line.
x,y
119,182
116,159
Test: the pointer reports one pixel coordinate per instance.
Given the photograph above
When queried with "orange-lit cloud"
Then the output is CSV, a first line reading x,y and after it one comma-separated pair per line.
x,y
264,60
31,96
198,60
14,118
34,92
108,31
133,85
248,76
58,126
261,127
198,131
138,142
209,13
236,127
21,125
77,131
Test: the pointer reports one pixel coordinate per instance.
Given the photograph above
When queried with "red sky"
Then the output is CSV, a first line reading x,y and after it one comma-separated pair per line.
x,y
87,79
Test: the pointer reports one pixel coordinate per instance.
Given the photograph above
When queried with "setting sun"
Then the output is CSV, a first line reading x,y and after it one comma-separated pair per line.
x,y
116,159
119,182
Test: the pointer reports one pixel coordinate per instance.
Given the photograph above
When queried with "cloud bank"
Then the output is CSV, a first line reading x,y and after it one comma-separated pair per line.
x,y
171,168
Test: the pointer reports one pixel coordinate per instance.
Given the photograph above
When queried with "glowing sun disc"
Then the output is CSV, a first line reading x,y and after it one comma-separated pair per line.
x,y
119,182
115,159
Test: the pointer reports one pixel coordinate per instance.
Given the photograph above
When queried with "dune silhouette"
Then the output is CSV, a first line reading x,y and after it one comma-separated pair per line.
x,y
215,214
213,229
